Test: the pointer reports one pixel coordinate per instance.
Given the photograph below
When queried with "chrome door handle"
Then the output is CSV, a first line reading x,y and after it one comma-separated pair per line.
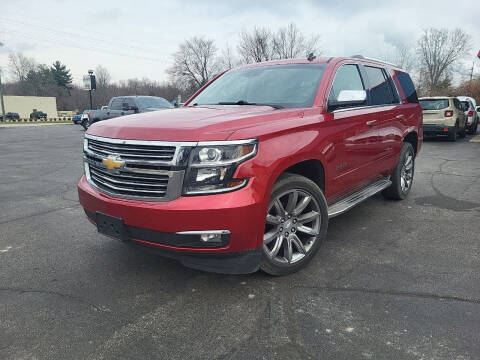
x,y
371,122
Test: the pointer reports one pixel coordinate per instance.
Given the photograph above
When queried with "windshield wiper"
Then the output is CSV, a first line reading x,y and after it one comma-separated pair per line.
x,y
243,102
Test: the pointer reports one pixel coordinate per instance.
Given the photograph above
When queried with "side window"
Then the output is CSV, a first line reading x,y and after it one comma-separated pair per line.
x,y
116,104
130,102
380,91
456,103
346,78
407,87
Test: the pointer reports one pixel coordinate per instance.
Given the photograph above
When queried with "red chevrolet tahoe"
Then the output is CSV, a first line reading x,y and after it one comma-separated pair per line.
x,y
247,174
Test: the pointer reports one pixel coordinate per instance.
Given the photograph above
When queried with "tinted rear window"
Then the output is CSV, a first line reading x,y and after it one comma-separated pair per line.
x,y
380,91
434,104
407,86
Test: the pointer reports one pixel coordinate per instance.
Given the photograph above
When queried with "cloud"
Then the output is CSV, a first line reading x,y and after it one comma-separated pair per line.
x,y
136,39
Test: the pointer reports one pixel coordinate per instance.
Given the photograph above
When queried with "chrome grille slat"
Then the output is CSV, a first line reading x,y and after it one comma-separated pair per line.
x,y
129,148
122,175
133,183
146,172
127,155
119,188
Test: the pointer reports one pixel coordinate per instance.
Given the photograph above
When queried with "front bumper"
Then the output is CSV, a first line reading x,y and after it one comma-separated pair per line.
x,y
156,224
437,130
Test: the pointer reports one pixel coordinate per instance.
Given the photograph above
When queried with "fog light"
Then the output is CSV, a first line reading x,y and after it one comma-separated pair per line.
x,y
211,237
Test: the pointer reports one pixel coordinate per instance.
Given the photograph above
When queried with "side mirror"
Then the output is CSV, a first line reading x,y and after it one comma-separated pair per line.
x,y
348,98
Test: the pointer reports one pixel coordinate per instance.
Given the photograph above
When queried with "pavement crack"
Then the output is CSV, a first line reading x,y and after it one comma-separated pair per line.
x,y
39,213
56,293
392,292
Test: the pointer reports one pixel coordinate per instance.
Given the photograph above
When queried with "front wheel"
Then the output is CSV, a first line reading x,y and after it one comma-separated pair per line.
x,y
402,176
85,124
296,225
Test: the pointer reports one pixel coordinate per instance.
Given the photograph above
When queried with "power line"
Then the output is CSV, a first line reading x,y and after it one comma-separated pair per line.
x,y
61,42
112,38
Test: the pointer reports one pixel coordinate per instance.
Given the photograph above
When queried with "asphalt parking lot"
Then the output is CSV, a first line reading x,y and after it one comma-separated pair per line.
x,y
395,280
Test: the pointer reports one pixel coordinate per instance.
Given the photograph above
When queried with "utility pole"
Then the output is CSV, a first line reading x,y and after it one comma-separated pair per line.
x,y
471,71
1,92
1,98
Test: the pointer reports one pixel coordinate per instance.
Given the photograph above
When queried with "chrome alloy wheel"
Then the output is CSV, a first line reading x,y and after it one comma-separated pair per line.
x,y
406,174
292,226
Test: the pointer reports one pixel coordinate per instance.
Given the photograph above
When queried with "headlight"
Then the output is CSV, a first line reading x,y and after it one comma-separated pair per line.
x,y
212,165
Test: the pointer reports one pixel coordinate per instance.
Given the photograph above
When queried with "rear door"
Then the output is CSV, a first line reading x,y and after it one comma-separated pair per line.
x,y
130,104
115,108
354,135
384,98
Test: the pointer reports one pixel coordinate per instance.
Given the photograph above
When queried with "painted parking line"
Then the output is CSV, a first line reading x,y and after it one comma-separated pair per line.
x,y
32,124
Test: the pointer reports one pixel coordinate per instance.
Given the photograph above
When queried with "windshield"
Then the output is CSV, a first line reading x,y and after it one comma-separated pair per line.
x,y
434,104
290,86
153,102
465,105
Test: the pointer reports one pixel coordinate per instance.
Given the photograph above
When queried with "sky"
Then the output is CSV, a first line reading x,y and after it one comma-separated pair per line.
x,y
136,39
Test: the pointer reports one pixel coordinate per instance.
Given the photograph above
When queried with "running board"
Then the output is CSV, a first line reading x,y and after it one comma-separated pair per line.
x,y
356,198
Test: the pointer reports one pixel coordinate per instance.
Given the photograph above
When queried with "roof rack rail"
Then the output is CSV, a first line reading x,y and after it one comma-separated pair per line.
x,y
373,59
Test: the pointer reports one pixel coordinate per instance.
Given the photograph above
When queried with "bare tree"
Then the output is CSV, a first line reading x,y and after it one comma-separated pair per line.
x,y
289,42
227,59
195,63
20,65
438,50
102,76
256,46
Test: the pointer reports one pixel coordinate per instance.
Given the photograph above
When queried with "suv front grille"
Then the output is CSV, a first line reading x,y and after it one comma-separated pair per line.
x,y
133,152
134,168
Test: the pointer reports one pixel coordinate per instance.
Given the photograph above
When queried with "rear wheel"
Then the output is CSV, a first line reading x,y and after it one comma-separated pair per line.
x,y
473,131
296,225
453,134
402,176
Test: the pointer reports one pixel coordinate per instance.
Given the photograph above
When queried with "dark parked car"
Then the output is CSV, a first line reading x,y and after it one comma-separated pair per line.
x,y
10,116
125,105
37,114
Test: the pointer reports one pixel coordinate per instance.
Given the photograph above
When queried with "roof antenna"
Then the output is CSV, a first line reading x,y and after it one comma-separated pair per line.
x,y
311,57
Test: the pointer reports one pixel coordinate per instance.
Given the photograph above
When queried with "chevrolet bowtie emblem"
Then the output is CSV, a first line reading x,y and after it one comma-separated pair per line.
x,y
112,162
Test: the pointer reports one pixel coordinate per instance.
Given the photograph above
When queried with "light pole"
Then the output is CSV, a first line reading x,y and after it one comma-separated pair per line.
x,y
90,73
89,84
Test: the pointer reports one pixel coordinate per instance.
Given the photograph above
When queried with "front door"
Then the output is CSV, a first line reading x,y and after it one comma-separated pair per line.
x,y
355,139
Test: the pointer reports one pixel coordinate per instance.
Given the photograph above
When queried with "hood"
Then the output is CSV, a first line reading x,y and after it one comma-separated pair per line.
x,y
199,123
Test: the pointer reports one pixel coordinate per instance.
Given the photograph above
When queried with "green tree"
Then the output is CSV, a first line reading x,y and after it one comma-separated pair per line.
x,y
61,74
41,82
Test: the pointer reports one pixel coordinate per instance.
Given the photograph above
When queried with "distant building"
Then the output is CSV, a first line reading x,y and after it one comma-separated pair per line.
x,y
24,105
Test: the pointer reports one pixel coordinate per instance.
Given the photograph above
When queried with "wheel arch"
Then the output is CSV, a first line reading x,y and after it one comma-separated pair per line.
x,y
311,168
412,138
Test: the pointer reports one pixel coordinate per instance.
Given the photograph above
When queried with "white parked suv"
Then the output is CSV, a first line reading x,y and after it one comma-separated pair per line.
x,y
473,118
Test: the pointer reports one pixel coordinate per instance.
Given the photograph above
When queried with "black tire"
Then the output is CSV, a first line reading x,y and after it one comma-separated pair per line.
x,y
453,135
396,191
473,131
85,124
304,186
